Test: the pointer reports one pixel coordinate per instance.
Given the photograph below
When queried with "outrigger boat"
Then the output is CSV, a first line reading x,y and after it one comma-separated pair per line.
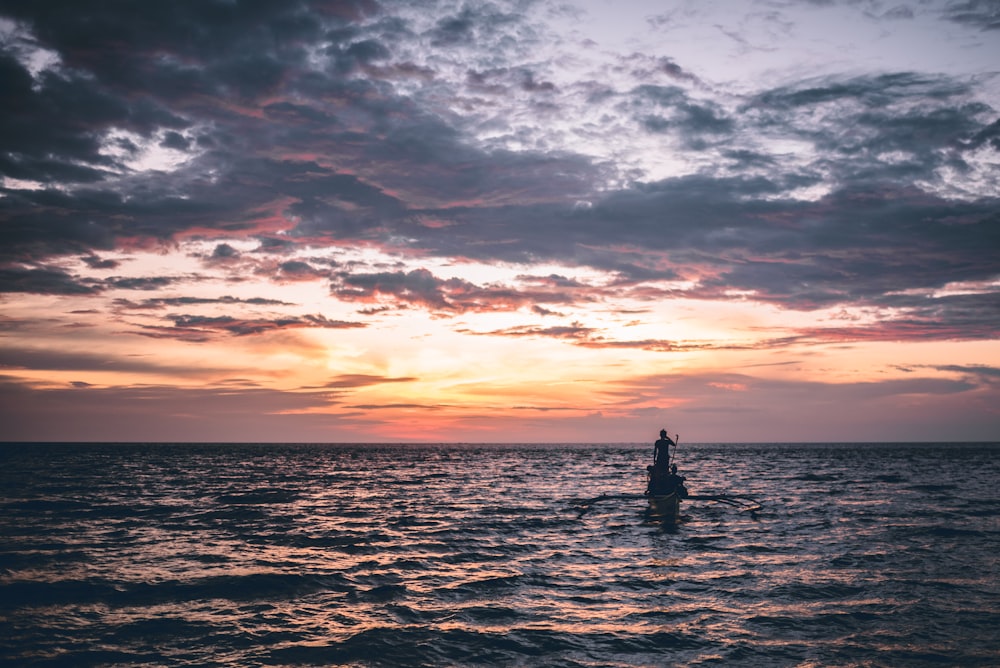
x,y
665,490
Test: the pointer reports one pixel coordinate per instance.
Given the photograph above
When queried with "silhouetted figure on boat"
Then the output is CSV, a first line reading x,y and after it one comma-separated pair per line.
x,y
664,480
661,449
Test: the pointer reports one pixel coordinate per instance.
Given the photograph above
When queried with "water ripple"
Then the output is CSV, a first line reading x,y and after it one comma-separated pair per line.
x,y
450,555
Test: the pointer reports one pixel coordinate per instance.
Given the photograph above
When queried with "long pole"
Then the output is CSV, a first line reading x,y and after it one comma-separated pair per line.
x,y
677,439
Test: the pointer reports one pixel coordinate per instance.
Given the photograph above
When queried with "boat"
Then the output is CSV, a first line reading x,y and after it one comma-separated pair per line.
x,y
664,492
664,508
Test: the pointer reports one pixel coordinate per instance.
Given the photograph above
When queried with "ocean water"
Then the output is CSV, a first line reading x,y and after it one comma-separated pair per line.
x,y
452,555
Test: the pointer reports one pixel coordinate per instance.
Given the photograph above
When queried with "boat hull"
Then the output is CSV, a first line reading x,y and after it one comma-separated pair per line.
x,y
664,507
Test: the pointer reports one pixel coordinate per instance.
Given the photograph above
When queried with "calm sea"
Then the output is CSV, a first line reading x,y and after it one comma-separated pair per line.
x,y
453,555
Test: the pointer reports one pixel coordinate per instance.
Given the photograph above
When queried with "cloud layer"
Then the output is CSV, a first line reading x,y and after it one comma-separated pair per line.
x,y
466,160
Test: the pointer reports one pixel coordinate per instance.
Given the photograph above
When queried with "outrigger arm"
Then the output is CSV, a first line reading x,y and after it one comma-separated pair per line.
x,y
585,505
746,504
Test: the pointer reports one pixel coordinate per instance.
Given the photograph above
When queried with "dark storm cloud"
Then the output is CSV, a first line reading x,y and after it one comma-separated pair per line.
x,y
39,223
286,124
853,243
147,70
44,281
897,127
215,47
73,112
859,244
196,59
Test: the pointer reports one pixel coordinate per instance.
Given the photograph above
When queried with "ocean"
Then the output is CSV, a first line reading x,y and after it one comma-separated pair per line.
x,y
470,555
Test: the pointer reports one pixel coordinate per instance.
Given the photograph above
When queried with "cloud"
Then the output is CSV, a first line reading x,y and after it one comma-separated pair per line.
x,y
364,380
895,127
45,281
399,153
296,270
223,253
421,288
670,109
977,369
95,262
863,243
544,311
164,302
400,177
574,332
200,326
140,282
122,413
224,112
331,158
758,407
981,14
454,30
21,357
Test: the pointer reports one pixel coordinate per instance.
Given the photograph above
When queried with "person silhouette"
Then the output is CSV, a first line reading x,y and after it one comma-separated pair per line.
x,y
661,449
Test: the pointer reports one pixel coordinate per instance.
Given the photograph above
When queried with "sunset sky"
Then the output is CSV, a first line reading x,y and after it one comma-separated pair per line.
x,y
500,221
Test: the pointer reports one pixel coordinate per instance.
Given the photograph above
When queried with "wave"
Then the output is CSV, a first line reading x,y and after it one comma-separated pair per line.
x,y
252,587
236,556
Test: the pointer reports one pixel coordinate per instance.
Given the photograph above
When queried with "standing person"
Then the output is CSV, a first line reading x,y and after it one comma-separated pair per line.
x,y
661,450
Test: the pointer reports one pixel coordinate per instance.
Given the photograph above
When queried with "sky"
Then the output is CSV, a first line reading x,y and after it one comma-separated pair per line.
x,y
523,221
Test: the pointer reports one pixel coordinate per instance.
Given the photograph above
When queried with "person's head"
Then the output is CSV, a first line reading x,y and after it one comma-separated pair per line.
x,y
663,433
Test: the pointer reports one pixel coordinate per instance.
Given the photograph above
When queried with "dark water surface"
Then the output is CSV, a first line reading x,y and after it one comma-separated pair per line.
x,y
305,555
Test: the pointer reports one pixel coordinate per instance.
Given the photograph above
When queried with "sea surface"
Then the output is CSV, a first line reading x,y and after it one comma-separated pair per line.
x,y
464,555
